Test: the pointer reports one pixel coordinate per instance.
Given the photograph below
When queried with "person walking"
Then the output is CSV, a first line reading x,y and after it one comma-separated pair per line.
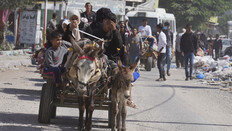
x,y
217,46
162,43
169,47
179,56
188,46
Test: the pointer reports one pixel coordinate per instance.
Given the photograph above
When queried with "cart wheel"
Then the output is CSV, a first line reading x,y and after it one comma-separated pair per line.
x,y
148,64
45,108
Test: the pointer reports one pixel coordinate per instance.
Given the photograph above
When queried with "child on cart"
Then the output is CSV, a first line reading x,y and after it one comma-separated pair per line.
x,y
55,57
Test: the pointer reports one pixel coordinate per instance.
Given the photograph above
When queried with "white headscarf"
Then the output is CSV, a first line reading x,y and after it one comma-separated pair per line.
x,y
75,31
66,22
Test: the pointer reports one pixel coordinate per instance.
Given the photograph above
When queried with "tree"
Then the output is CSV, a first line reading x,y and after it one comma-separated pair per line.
x,y
6,6
223,25
195,12
13,4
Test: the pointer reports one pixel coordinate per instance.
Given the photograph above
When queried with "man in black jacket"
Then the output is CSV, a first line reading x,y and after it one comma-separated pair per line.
x,y
105,28
188,46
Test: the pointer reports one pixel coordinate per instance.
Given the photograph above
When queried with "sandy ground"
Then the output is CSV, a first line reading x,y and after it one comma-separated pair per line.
x,y
174,105
14,62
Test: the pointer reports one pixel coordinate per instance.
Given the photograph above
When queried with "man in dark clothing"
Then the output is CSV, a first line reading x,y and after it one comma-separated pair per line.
x,y
169,47
89,14
217,46
188,46
105,28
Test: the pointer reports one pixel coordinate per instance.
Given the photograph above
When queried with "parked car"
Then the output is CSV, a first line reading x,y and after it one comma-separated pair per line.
x,y
228,51
226,43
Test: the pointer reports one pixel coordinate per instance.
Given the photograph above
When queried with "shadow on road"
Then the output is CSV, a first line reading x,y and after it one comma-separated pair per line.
x,y
181,123
39,83
23,94
22,122
37,71
36,79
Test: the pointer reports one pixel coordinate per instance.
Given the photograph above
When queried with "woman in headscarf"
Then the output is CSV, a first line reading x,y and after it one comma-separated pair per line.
x,y
73,27
72,32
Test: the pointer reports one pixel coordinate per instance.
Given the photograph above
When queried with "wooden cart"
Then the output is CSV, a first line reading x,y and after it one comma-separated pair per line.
x,y
51,99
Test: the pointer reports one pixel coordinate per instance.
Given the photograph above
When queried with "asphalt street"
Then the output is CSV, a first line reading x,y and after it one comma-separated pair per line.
x,y
173,105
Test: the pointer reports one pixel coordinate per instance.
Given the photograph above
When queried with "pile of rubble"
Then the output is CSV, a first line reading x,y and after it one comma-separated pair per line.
x,y
213,72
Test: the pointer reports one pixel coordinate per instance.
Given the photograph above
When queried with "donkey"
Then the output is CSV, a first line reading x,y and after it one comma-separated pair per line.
x,y
85,73
121,82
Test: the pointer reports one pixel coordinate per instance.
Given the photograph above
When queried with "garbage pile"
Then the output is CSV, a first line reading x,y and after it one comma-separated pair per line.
x,y
213,72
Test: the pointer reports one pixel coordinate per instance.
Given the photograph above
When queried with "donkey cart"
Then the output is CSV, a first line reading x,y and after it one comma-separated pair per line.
x,y
148,56
51,98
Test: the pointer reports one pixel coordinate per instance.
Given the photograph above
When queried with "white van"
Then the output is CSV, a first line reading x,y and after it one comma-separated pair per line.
x,y
154,18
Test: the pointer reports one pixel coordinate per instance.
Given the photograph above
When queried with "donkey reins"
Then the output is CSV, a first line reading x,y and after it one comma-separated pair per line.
x,y
86,57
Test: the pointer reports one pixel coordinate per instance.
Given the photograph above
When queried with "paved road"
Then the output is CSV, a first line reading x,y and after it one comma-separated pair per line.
x,y
174,105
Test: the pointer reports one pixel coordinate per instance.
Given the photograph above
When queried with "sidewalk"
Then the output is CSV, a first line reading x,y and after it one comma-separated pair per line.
x,y
14,59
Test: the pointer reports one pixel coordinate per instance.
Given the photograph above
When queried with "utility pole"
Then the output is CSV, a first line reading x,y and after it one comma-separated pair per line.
x,y
54,11
45,20
61,9
66,9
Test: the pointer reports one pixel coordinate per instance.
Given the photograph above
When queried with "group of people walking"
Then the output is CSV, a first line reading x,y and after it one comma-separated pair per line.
x,y
186,48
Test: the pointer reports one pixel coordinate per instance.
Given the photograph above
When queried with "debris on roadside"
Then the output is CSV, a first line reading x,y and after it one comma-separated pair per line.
x,y
212,72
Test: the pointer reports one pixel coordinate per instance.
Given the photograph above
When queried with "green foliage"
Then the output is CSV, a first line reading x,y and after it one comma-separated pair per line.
x,y
223,25
13,4
196,12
